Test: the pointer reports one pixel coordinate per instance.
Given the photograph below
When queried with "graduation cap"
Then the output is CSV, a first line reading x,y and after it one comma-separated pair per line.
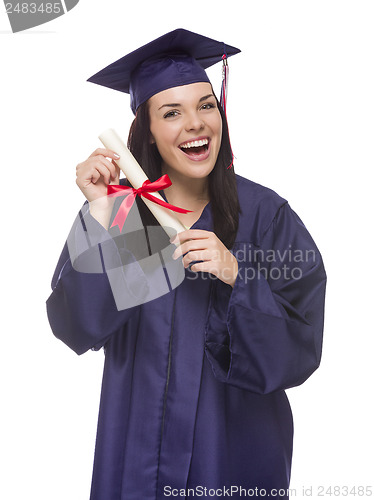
x,y
177,58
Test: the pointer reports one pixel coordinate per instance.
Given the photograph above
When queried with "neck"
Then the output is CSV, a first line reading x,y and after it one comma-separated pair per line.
x,y
186,190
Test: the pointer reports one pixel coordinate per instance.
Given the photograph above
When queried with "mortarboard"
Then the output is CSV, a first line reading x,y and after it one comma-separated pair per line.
x,y
177,58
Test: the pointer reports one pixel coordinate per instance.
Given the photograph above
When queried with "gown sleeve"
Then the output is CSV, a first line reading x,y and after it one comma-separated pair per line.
x,y
82,310
265,333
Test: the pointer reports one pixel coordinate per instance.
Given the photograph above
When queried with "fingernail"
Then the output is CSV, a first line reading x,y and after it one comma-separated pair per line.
x,y
116,156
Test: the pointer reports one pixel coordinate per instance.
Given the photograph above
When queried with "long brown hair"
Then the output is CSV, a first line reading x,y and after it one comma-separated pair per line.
x,y
221,181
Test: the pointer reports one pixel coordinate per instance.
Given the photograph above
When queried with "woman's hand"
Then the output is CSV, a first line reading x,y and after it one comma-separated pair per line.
x,y
200,245
93,177
94,174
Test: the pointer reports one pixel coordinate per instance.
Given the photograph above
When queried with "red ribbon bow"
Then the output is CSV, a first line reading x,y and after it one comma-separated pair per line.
x,y
145,190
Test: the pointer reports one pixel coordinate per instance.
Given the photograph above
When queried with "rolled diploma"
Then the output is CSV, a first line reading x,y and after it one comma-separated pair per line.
x,y
135,174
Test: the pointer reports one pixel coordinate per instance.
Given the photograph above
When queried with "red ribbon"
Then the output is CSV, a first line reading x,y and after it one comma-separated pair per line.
x,y
145,190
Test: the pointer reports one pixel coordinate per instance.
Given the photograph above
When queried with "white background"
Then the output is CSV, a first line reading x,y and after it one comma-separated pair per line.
x,y
301,116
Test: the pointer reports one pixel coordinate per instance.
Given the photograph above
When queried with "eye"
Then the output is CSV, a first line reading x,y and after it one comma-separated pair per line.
x,y
208,105
171,114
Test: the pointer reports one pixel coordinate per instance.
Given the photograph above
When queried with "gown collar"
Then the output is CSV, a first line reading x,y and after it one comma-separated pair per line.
x,y
205,221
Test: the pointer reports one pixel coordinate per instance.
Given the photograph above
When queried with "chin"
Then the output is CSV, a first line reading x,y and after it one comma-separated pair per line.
x,y
197,171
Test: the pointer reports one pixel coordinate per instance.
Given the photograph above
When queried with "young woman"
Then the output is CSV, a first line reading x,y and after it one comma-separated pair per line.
x,y
193,400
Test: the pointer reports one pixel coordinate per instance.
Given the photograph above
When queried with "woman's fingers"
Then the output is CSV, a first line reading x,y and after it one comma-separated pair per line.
x,y
208,253
205,267
102,156
95,176
190,234
188,247
105,152
111,168
95,173
192,239
118,171
196,255
198,249
104,171
90,167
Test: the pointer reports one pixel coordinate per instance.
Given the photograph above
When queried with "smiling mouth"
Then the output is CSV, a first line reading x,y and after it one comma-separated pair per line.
x,y
196,150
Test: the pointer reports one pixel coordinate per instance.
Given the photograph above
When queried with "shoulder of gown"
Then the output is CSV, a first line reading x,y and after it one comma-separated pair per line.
x,y
259,206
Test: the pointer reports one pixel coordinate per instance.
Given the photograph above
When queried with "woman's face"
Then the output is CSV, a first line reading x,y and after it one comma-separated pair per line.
x,y
186,126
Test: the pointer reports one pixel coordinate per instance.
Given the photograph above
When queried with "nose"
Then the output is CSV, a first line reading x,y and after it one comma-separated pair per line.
x,y
194,122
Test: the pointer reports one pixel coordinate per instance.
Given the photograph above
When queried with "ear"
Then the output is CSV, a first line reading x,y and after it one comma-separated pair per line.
x,y
152,140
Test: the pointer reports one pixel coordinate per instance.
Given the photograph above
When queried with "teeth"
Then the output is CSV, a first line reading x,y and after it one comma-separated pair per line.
x,y
194,144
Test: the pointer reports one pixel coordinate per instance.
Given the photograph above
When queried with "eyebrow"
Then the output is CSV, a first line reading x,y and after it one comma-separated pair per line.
x,y
177,105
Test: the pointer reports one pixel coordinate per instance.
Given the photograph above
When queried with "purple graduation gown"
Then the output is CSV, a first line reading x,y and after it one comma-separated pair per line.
x,y
193,385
